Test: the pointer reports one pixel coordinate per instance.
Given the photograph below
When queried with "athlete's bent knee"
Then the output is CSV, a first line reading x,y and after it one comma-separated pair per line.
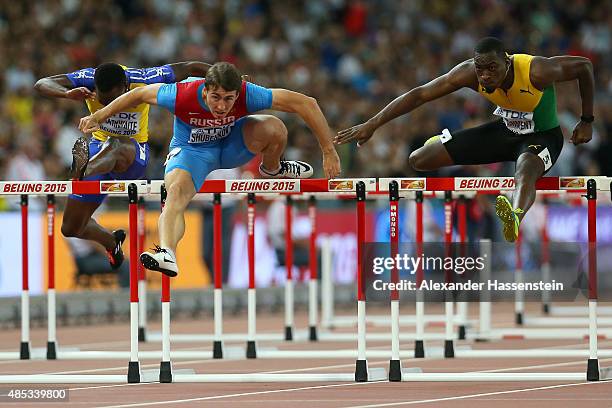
x,y
417,161
71,229
179,195
274,128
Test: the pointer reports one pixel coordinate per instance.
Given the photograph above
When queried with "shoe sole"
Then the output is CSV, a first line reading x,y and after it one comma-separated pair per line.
x,y
80,156
304,175
121,235
151,264
504,212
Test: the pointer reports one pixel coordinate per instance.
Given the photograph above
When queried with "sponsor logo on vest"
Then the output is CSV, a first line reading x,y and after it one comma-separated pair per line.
x,y
516,121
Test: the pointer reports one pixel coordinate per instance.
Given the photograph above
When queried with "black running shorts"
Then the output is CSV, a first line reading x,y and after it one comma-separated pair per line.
x,y
493,142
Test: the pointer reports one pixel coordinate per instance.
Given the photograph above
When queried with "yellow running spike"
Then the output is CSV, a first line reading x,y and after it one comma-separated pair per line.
x,y
509,217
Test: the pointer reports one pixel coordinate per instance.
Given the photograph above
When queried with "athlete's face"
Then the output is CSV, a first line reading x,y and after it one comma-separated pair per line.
x,y
491,70
219,101
107,97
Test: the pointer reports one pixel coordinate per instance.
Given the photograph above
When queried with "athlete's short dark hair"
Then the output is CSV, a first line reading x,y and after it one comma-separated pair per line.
x,y
224,75
108,76
490,44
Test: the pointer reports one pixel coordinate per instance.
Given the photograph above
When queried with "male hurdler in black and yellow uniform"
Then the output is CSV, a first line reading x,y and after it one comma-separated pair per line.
x,y
527,131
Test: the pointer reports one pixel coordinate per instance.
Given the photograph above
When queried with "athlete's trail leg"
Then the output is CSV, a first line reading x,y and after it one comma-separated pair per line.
x,y
430,156
529,168
77,223
267,135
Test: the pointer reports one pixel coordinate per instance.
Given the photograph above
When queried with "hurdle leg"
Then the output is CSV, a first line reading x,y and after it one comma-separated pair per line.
x,y
519,295
395,364
289,303
142,280
165,366
545,261
327,286
361,365
51,309
134,374
313,303
462,307
419,344
218,266
484,319
24,347
449,347
251,351
593,373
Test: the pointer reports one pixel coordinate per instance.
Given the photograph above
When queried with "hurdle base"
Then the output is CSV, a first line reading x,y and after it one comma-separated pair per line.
x,y
593,369
288,333
165,372
462,332
419,349
142,337
361,371
51,350
449,349
217,349
518,319
395,370
251,351
133,372
24,350
312,335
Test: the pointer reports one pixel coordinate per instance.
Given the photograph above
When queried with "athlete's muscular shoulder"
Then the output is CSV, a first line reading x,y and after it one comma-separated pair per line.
x,y
463,75
546,71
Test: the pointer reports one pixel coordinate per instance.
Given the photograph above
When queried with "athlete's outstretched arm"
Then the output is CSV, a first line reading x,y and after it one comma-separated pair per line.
x,y
184,70
462,75
144,94
308,109
546,71
59,86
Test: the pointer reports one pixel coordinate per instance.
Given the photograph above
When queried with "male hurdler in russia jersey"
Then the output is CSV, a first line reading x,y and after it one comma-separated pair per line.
x,y
201,142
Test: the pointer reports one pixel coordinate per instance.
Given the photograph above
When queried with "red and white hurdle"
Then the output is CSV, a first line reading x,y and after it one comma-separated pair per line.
x,y
362,373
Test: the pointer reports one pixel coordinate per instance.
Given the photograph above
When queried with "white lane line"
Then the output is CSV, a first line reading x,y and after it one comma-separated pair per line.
x,y
460,397
569,363
244,394
370,363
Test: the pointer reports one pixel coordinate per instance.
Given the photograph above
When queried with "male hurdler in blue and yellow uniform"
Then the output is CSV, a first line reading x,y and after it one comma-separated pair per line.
x,y
119,149
217,125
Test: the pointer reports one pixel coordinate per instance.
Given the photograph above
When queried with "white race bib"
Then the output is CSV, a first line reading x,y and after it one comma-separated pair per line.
x,y
122,124
210,134
517,121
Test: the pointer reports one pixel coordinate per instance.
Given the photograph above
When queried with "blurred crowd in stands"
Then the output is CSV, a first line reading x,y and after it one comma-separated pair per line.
x,y
353,56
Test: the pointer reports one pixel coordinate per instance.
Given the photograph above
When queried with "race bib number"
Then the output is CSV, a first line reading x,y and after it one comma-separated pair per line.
x,y
209,134
516,121
122,124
